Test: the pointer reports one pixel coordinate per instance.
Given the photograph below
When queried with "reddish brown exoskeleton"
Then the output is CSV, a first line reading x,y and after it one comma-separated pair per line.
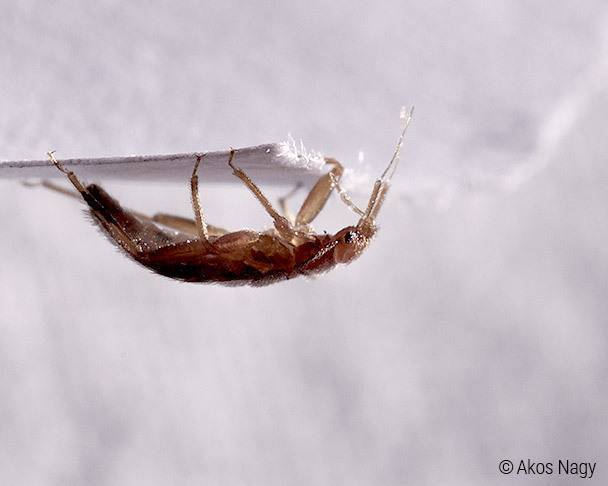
x,y
195,251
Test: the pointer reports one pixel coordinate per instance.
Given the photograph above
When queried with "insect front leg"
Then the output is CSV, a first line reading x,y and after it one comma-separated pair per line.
x,y
319,194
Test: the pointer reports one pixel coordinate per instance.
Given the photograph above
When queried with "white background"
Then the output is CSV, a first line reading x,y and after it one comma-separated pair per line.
x,y
473,329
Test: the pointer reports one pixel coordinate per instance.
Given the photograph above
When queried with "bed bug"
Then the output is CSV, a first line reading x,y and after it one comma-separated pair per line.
x,y
192,250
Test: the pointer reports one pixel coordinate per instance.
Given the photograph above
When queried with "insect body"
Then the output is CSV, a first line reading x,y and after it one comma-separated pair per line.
x,y
194,251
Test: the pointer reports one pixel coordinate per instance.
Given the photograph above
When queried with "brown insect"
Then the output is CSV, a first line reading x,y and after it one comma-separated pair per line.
x,y
195,251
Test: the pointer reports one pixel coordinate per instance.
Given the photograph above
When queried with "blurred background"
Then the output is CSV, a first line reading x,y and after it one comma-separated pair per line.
x,y
472,330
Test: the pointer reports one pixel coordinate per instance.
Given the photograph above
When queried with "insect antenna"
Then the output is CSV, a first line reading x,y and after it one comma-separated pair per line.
x,y
406,116
381,185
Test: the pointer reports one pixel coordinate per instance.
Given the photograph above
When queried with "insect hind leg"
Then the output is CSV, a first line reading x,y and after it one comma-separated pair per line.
x,y
118,223
70,175
53,187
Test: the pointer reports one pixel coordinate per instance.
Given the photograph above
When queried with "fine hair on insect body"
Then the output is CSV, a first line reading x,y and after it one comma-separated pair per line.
x,y
192,250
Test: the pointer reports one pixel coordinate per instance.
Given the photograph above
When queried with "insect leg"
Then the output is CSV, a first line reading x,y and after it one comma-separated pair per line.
x,y
179,223
54,187
319,194
283,203
201,225
281,223
71,176
185,225
121,225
